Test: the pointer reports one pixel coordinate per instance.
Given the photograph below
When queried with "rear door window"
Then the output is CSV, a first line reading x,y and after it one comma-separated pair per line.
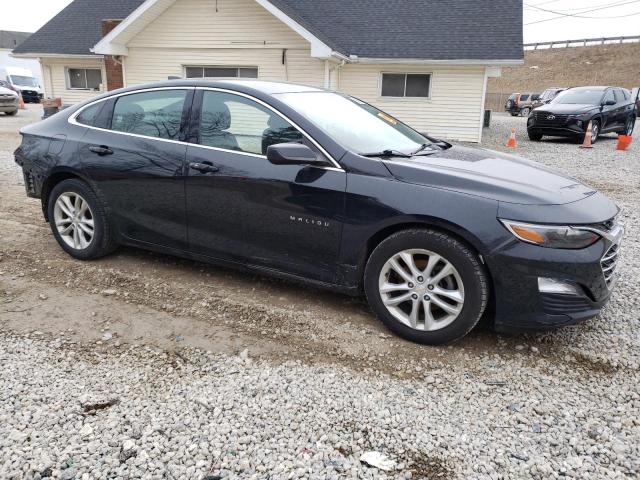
x,y
524,97
152,114
89,115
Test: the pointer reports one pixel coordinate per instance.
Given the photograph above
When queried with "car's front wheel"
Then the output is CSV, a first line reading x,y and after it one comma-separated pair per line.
x,y
525,111
595,130
426,286
11,113
534,136
631,122
79,220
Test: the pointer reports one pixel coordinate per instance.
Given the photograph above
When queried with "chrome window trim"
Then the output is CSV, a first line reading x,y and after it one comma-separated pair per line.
x,y
73,121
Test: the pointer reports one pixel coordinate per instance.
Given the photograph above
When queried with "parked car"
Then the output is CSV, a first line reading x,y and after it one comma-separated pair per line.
x,y
521,103
9,102
24,81
323,188
5,84
548,95
609,109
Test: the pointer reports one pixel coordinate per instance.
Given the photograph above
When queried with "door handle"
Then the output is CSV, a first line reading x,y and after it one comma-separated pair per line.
x,y
204,167
101,150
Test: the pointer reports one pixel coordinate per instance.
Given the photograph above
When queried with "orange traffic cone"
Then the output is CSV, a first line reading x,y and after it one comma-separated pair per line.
x,y
512,143
623,142
21,100
587,138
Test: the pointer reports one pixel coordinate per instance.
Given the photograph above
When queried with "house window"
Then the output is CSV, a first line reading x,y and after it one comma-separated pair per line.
x,y
416,85
84,78
212,72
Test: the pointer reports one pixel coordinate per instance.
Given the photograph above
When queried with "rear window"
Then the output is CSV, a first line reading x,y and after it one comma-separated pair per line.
x,y
89,115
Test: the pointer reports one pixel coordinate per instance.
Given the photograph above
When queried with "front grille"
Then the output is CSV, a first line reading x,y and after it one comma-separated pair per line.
x,y
543,120
608,263
558,304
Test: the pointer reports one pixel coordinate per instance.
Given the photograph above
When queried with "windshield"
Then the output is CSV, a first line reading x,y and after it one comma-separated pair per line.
x,y
24,81
354,124
589,96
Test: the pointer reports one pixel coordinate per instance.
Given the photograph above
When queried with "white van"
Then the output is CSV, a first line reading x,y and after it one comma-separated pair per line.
x,y
23,80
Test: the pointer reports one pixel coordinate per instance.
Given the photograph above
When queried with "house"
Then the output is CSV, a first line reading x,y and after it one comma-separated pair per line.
x,y
10,40
424,61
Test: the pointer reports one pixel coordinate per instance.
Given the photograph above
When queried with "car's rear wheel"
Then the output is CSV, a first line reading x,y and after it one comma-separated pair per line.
x,y
11,113
534,136
79,220
525,111
426,286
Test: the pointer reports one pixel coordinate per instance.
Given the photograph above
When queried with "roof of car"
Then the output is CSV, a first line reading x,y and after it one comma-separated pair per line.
x,y
405,29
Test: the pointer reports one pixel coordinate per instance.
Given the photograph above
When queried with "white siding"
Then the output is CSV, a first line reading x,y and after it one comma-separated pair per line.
x,y
144,65
194,24
54,72
453,111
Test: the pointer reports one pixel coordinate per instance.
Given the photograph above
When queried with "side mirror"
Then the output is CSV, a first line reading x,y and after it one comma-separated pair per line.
x,y
292,154
609,103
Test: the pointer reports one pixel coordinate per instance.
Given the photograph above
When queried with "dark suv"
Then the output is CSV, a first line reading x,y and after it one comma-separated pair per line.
x,y
609,109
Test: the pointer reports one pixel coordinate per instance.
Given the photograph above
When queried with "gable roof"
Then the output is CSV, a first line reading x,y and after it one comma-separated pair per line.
x,y
10,39
414,29
77,28
458,30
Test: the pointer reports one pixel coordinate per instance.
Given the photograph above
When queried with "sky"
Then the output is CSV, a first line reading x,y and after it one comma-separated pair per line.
x,y
567,19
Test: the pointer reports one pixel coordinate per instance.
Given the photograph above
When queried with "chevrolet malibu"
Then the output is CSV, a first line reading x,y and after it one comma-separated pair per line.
x,y
322,188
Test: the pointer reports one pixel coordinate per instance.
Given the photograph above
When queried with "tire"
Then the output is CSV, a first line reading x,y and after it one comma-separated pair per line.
x,y
534,136
468,279
595,130
101,242
11,114
629,125
525,112
514,114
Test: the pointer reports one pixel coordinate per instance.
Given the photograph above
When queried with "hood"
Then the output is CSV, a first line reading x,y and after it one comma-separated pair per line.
x,y
567,108
494,175
6,91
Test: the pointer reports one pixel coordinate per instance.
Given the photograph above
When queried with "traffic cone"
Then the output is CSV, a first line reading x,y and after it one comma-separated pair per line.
x,y
623,142
587,138
21,100
512,143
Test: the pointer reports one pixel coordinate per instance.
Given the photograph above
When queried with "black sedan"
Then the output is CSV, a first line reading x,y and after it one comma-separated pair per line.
x,y
609,109
323,188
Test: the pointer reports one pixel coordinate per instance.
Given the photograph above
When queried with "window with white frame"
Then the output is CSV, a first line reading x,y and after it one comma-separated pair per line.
x,y
406,85
220,71
84,78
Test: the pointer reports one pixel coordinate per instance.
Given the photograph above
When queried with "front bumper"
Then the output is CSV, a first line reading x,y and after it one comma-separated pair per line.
x,y
561,126
520,305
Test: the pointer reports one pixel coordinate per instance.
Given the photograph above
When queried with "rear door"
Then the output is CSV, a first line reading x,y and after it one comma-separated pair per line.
x,y
242,208
136,160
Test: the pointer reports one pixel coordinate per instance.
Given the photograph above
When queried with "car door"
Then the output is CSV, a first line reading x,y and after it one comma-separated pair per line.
x,y
609,112
136,160
242,208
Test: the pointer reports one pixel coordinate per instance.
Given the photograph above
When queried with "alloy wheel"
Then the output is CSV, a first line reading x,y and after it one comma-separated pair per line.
x,y
74,220
595,131
421,289
631,122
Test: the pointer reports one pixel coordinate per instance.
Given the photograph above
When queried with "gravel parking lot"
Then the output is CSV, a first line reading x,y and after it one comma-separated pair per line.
x,y
145,366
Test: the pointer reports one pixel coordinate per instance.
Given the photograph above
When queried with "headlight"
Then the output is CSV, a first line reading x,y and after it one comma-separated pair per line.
x,y
552,236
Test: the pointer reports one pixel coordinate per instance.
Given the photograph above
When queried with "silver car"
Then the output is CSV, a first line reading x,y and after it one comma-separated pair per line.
x,y
9,102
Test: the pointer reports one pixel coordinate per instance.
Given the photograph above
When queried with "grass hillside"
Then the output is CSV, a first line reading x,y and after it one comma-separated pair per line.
x,y
614,64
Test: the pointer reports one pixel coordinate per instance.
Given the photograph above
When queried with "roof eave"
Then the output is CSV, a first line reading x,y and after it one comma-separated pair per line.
x,y
53,55
427,61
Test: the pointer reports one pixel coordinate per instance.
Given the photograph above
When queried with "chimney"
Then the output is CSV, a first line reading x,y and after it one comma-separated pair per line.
x,y
113,65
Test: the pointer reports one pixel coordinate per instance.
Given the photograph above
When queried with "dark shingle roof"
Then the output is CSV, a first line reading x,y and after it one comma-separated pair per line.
x,y
421,29
77,28
11,40
412,29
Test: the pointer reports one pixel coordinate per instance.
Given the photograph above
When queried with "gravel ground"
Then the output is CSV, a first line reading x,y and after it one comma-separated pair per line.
x,y
144,366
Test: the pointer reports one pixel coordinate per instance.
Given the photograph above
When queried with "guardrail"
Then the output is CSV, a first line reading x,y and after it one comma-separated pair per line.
x,y
583,42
